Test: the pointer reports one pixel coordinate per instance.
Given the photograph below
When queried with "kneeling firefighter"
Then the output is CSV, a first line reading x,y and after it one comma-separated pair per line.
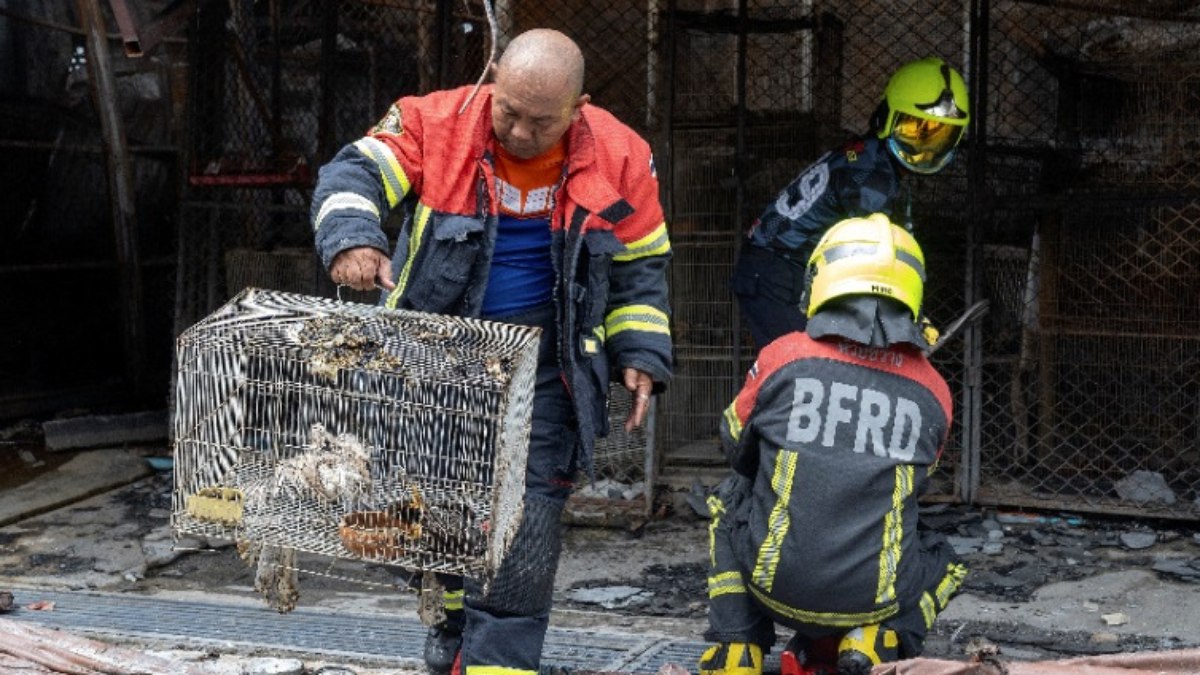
x,y
832,439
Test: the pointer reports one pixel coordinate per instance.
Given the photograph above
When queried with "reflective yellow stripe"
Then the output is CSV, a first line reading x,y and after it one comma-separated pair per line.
x,y
825,618
716,509
893,533
725,583
414,244
778,522
395,181
452,600
928,610
637,317
655,243
497,670
733,422
955,574
339,201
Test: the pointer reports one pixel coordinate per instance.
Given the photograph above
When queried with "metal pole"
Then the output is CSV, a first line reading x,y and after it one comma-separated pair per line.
x,y
121,194
972,401
739,155
327,120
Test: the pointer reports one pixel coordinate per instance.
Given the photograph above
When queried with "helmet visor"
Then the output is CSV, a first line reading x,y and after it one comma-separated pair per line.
x,y
923,145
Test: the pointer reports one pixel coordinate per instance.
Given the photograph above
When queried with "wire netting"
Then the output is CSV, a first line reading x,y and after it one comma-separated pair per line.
x,y
1072,204
1089,369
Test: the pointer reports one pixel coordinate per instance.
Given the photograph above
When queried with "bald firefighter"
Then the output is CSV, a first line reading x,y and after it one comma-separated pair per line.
x,y
832,439
525,204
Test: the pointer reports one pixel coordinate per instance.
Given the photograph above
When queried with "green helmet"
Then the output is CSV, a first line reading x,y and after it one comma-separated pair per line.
x,y
923,114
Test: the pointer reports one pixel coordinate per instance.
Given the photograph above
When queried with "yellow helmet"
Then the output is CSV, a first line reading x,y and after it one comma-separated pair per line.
x,y
866,256
923,114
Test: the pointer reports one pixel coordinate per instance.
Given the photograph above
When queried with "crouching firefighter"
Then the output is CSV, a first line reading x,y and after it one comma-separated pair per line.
x,y
832,439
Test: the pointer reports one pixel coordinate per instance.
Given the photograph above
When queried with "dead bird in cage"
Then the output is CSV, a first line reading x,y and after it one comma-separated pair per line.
x,y
333,468
333,344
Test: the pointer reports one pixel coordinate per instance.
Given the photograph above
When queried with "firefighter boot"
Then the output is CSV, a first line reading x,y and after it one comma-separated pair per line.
x,y
732,658
442,645
867,646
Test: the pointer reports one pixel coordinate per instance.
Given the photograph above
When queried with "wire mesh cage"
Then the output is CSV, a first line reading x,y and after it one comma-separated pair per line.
x,y
620,489
351,431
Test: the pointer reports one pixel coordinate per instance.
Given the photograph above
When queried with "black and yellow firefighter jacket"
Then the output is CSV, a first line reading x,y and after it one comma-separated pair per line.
x,y
838,441
610,247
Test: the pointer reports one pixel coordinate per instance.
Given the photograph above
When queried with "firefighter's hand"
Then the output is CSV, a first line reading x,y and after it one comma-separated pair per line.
x,y
639,384
927,329
362,269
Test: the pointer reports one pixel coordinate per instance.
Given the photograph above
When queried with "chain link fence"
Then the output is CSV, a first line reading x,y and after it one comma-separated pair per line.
x,y
1091,368
1071,207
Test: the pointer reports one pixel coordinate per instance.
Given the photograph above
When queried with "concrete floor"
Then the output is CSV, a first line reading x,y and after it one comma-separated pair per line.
x,y
99,524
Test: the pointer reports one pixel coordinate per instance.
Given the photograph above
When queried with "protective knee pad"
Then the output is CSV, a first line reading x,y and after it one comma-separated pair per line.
x,y
524,584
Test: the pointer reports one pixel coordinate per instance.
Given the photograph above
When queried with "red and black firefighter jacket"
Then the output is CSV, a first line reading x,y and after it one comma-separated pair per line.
x,y
610,247
839,440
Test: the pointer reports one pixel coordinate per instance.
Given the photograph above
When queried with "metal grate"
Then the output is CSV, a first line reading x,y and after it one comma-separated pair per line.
x,y
363,637
351,431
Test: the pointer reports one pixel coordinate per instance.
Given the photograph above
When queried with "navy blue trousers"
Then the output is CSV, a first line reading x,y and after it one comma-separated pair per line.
x,y
507,627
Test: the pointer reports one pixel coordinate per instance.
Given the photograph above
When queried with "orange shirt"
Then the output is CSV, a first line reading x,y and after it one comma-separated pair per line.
x,y
526,186
522,273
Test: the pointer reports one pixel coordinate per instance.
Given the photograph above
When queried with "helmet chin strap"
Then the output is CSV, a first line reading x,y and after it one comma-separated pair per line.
x,y
868,320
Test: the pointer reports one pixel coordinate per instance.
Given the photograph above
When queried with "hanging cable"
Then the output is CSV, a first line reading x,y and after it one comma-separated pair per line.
x,y
493,29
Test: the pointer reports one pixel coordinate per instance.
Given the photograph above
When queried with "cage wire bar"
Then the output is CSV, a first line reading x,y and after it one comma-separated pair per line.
x,y
351,431
1072,206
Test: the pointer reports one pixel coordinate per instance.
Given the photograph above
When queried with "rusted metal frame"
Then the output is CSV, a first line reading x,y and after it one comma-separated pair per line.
x,y
1108,506
121,193
828,81
1178,12
968,474
668,168
128,28
168,24
442,21
739,172
150,38
722,22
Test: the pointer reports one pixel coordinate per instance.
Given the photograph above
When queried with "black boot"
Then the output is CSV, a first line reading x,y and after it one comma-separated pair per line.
x,y
442,646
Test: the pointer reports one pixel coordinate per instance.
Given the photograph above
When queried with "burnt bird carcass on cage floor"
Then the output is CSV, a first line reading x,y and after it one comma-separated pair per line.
x,y
305,425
